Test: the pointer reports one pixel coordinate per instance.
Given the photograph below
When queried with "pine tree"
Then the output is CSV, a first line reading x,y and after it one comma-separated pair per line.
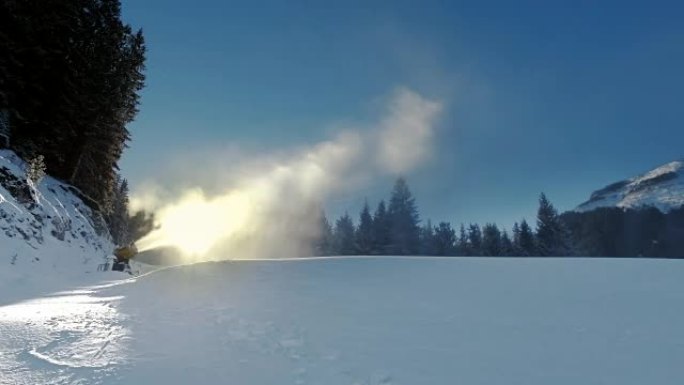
x,y
491,240
526,244
70,74
35,170
118,218
516,250
344,236
324,244
427,239
4,121
463,248
551,237
364,232
403,218
445,239
474,240
507,248
381,230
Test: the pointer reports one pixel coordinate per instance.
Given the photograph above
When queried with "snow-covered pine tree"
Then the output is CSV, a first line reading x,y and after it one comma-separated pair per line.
x,y
404,219
35,170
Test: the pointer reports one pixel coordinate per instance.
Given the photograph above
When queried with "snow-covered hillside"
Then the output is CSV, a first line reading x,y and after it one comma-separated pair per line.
x,y
45,229
359,321
662,188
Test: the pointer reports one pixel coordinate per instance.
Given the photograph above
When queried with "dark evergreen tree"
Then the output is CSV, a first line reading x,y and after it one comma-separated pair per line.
x,y
70,74
381,230
526,245
4,123
617,232
474,240
516,249
344,236
118,218
403,219
427,239
551,236
462,247
491,240
324,243
364,232
507,248
444,239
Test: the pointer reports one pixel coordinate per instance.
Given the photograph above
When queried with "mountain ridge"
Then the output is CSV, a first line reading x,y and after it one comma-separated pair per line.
x,y
661,188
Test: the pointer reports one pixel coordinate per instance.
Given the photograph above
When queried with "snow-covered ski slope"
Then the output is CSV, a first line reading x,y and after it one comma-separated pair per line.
x,y
662,188
359,321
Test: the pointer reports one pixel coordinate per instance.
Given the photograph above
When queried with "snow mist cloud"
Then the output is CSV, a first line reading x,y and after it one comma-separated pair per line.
x,y
272,210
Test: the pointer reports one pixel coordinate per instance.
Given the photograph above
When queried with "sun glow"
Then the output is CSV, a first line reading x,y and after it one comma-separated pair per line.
x,y
273,210
195,224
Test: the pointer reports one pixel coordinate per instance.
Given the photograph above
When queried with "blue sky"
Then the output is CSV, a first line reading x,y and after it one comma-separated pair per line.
x,y
561,97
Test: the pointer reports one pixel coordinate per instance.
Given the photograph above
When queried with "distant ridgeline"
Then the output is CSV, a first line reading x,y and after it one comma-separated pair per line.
x,y
640,217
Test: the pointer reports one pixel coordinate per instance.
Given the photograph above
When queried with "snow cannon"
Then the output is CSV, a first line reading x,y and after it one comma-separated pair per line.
x,y
123,256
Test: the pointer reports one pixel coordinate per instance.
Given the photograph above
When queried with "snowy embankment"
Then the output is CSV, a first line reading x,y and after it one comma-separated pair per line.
x,y
48,236
360,321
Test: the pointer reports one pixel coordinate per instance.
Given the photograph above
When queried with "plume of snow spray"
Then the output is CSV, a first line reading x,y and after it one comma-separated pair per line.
x,y
274,211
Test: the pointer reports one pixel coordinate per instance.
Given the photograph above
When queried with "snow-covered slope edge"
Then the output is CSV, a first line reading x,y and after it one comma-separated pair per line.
x,y
46,229
662,188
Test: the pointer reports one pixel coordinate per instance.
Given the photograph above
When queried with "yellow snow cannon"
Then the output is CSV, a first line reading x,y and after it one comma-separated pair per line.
x,y
123,255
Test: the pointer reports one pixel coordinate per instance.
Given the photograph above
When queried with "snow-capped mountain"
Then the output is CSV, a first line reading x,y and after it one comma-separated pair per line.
x,y
662,188
46,226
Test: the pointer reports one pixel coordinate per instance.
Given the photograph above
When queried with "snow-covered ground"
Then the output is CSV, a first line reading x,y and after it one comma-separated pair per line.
x,y
356,321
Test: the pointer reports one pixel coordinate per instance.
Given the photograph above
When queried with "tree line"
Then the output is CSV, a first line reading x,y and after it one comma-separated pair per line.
x,y
395,229
71,72
70,76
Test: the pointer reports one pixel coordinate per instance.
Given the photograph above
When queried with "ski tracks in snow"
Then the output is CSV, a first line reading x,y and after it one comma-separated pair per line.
x,y
76,337
308,362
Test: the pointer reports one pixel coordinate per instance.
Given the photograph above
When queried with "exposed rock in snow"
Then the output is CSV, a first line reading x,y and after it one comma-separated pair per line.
x,y
662,188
